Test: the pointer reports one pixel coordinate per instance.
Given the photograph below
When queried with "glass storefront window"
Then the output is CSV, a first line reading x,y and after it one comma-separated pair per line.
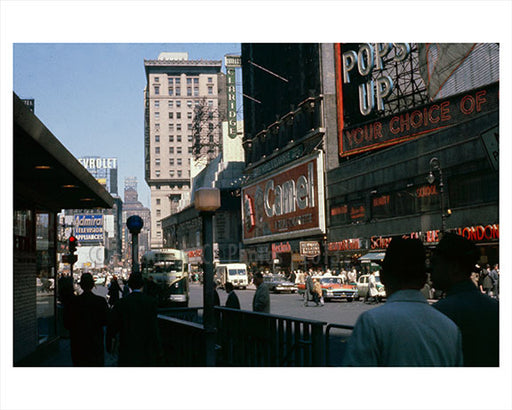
x,y
45,279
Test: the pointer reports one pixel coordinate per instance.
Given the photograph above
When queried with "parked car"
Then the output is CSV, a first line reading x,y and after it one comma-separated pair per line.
x,y
279,284
333,288
362,286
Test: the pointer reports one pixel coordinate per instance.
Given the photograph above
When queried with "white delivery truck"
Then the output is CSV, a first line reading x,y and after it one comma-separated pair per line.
x,y
236,273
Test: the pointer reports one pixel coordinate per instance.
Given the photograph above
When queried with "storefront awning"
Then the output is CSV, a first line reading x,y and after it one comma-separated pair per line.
x,y
373,257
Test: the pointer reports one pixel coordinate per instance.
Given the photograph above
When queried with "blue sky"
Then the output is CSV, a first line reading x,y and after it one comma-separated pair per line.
x,y
90,95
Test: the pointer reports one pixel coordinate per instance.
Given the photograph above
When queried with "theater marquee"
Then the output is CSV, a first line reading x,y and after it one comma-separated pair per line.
x,y
287,204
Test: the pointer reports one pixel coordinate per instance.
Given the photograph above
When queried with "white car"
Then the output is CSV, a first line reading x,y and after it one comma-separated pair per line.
x,y
362,286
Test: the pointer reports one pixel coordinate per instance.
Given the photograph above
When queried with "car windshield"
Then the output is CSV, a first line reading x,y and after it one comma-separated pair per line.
x,y
233,272
327,281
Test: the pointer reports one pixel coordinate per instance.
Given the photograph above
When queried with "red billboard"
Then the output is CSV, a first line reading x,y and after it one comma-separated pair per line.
x,y
288,203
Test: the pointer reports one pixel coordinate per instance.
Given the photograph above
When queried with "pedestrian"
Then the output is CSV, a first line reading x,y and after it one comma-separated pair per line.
x,y
494,275
486,284
317,293
134,321
475,313
406,330
84,317
232,300
261,299
113,291
216,298
308,294
126,288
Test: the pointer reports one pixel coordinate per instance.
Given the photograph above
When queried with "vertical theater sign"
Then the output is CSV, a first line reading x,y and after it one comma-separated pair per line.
x,y
286,204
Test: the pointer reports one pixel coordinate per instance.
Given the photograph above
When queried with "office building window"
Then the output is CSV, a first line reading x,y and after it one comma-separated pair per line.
x,y
171,138
178,127
158,212
171,103
157,162
157,79
171,150
158,234
157,150
157,126
189,91
178,91
157,138
178,138
171,91
170,79
189,127
190,138
178,104
157,186
171,115
179,161
190,150
157,115
157,104
177,80
189,103
179,173
171,161
196,103
210,79
210,90
196,91
157,173
178,150
171,127
196,80
171,173
189,115
189,80
157,89
158,201
210,103
178,115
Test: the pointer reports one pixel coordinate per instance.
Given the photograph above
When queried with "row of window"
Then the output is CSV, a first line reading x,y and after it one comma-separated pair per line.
x,y
179,150
190,103
178,138
172,173
177,80
176,91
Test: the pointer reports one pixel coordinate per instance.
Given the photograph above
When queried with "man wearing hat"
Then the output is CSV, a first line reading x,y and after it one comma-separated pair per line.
x,y
85,316
406,330
134,320
476,314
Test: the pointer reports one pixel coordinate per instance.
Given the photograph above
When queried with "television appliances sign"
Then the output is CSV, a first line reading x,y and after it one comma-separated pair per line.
x,y
89,227
287,204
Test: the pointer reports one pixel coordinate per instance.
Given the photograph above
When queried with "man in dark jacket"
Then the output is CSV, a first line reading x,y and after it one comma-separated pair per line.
x,y
232,300
476,314
85,316
134,320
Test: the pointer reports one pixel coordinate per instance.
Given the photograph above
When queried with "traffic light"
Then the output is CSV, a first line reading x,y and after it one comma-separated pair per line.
x,y
72,244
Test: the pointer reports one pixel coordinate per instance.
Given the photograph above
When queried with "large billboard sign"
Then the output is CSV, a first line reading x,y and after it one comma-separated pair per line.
x,y
418,121
88,227
286,204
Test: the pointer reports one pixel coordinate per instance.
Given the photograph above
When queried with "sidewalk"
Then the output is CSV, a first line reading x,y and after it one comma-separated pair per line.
x,y
62,358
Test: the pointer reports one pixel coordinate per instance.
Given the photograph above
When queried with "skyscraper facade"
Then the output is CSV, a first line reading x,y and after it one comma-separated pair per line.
x,y
178,94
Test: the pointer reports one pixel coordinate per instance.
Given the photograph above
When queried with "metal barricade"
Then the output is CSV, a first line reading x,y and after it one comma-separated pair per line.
x,y
339,343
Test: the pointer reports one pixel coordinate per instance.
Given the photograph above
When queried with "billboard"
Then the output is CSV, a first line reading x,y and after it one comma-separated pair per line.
x,y
286,204
88,227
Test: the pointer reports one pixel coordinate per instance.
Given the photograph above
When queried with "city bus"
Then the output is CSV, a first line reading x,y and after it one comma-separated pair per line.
x,y
168,270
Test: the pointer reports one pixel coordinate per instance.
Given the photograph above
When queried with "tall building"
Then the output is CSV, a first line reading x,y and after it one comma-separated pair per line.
x,y
177,91
132,206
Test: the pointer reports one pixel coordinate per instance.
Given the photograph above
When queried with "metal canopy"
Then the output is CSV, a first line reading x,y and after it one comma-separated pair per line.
x,y
45,173
373,257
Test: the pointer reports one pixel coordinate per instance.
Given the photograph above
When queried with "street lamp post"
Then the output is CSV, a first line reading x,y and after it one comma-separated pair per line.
x,y
135,224
207,201
435,165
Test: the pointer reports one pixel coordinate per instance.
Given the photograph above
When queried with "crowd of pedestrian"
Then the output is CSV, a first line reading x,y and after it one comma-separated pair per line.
x,y
460,329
